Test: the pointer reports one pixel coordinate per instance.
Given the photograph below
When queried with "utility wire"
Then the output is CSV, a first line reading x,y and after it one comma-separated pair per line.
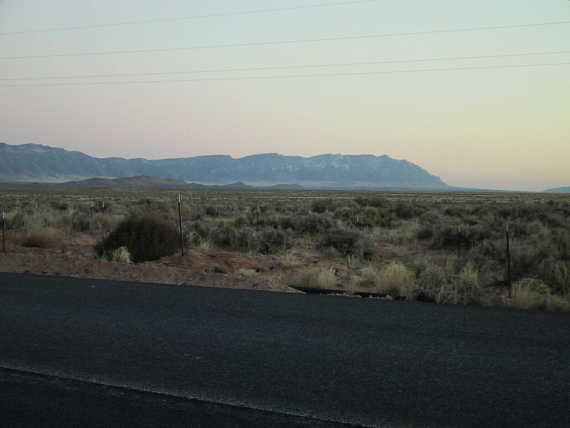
x,y
287,67
285,42
189,18
291,76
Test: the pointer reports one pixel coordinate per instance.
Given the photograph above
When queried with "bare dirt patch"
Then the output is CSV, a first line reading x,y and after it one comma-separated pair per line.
x,y
78,259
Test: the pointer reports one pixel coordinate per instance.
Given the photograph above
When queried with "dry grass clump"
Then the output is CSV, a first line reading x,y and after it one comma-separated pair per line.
x,y
467,286
248,273
440,285
531,293
433,284
370,275
290,260
48,237
121,255
396,279
314,278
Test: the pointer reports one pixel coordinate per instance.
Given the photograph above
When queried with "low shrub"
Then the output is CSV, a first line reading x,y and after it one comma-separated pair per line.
x,y
311,224
397,280
366,218
556,273
212,211
459,236
467,287
121,255
273,241
372,202
558,303
406,210
440,284
425,232
16,220
561,242
344,241
433,284
365,248
370,276
106,222
145,205
224,236
530,293
82,222
146,238
322,205
314,277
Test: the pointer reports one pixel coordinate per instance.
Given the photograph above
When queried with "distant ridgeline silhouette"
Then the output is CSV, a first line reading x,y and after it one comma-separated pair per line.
x,y
33,162
565,189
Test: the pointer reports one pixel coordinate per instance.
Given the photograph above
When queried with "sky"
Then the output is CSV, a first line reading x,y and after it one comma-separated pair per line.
x,y
485,108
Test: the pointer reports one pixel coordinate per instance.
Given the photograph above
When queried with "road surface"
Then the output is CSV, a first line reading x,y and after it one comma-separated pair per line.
x,y
110,352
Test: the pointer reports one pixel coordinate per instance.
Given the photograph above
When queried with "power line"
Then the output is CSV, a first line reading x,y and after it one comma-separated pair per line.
x,y
189,18
285,42
291,76
288,67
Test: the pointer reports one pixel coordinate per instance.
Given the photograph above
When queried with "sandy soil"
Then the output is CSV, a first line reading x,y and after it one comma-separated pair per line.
x,y
215,269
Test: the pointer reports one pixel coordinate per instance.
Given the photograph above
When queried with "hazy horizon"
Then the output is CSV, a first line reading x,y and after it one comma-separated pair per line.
x,y
484,108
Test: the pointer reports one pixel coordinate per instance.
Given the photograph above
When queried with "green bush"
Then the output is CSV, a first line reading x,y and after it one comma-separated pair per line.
x,y
365,248
365,218
432,284
16,221
344,241
458,236
322,205
224,236
556,273
561,242
82,222
311,224
425,232
146,205
372,202
406,211
273,241
212,211
146,238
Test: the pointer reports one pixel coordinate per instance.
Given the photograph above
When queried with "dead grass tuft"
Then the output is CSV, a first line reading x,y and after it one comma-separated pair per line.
x,y
314,278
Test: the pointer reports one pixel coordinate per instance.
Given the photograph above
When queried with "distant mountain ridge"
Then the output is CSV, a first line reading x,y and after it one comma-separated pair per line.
x,y
34,162
144,181
565,189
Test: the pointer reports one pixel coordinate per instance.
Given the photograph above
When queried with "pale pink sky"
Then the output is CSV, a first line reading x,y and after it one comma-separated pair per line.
x,y
484,127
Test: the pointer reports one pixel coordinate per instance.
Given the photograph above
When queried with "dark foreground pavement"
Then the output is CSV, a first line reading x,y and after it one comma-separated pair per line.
x,y
102,353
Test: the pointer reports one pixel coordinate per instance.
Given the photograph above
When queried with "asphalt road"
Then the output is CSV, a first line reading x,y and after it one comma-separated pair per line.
x,y
113,352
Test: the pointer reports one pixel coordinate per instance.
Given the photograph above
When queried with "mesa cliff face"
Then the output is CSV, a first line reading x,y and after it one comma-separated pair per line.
x,y
32,162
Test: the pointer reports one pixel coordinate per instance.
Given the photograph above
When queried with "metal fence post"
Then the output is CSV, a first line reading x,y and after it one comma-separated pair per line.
x,y
4,231
180,224
509,277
